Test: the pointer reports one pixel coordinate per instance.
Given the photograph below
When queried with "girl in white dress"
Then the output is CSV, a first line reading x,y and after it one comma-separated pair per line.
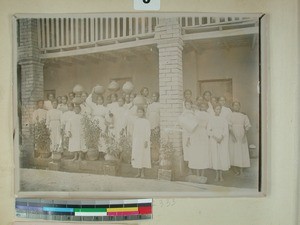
x,y
64,120
127,101
63,106
53,122
75,133
141,157
120,119
199,153
239,124
99,113
48,103
187,95
218,132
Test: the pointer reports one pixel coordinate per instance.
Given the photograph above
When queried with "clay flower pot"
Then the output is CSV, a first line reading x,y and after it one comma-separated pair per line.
x,y
92,154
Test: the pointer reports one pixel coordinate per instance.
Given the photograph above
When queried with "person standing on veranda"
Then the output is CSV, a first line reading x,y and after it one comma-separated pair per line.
x,y
218,132
53,122
199,152
153,115
40,114
141,156
225,111
74,130
66,116
239,124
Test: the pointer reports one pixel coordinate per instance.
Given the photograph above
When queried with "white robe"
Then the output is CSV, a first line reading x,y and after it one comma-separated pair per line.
x,y
62,107
141,156
153,113
199,152
120,121
65,118
130,118
239,152
225,112
210,109
53,122
48,105
39,115
217,127
76,141
189,118
85,109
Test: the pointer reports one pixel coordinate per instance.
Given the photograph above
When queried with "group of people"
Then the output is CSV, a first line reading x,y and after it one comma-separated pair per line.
x,y
214,136
118,114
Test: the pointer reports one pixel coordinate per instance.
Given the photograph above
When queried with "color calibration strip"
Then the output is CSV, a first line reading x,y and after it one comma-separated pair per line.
x,y
72,210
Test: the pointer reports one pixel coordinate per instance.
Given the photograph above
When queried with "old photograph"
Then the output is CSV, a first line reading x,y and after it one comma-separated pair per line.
x,y
138,103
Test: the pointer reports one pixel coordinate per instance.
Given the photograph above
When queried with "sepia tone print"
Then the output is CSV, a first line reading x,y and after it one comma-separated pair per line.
x,y
126,103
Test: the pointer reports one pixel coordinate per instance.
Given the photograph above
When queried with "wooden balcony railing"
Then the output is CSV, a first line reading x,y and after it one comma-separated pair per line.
x,y
65,33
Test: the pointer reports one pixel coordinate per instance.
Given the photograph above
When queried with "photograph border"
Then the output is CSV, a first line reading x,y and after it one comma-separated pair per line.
x,y
263,123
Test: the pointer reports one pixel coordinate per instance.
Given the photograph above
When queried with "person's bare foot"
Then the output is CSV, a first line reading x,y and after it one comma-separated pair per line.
x,y
221,179
142,175
138,175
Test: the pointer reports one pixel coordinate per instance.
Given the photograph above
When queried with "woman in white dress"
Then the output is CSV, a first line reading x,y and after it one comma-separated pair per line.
x,y
48,103
141,156
120,119
225,111
99,112
153,115
207,99
188,122
218,132
75,133
239,124
85,109
199,153
40,114
53,122
153,111
66,116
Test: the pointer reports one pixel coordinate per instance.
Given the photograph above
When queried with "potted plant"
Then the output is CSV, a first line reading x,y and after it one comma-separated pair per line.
x,y
166,153
92,134
42,139
112,147
125,147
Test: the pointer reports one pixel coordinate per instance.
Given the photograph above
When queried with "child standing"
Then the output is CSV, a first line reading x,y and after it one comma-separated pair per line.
x,y
66,116
141,157
75,133
53,122
218,132
225,111
239,124
63,106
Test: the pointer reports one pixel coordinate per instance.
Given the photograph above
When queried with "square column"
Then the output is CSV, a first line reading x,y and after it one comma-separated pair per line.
x,y
32,80
170,45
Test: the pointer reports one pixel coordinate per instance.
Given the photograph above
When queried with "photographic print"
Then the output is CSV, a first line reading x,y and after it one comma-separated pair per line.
x,y
159,104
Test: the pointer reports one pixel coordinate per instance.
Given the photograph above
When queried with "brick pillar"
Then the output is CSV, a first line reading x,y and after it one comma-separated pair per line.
x,y
32,79
170,45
